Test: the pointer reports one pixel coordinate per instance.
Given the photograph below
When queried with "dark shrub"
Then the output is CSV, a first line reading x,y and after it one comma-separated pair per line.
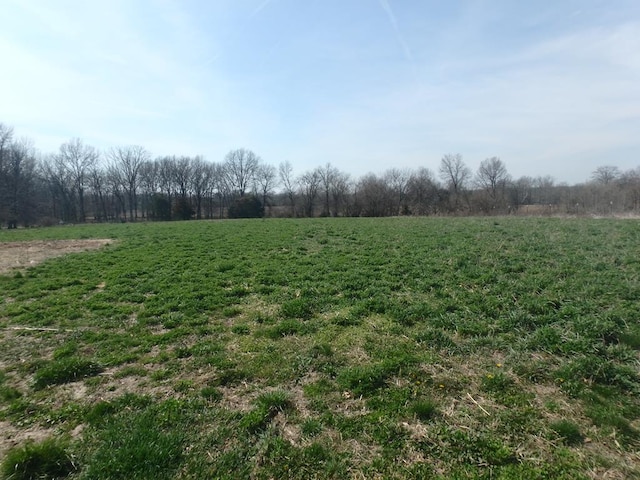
x,y
246,207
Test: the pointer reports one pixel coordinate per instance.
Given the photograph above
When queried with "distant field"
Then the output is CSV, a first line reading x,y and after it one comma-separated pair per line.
x,y
327,348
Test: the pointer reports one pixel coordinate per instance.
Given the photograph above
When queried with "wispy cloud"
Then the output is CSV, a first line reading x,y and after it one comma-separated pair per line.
x,y
260,7
386,6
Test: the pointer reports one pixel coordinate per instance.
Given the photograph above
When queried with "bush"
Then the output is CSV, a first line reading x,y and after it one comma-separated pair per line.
x,y
160,208
246,207
182,210
47,459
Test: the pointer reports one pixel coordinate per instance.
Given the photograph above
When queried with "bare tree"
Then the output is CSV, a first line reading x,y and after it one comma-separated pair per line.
x,y
149,183
327,174
285,173
240,167
115,184
397,181
202,175
422,192
605,175
182,171
166,176
454,174
98,187
77,159
493,178
62,197
266,180
20,168
223,189
374,198
309,184
129,160
340,189
6,138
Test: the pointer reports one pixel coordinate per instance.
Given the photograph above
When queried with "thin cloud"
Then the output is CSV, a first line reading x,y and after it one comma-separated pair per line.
x,y
386,6
260,7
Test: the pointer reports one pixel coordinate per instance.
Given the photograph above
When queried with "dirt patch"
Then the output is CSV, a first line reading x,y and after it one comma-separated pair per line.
x,y
13,436
21,255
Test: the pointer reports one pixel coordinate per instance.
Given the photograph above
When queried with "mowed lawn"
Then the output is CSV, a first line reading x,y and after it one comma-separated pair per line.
x,y
327,348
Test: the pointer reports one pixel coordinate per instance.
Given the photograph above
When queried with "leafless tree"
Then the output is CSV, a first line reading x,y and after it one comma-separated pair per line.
x,y
397,181
201,182
182,175
374,198
606,174
166,176
224,191
266,180
77,159
116,187
240,167
98,187
129,160
629,182
327,174
287,180
19,183
340,192
149,183
6,138
62,197
422,192
492,177
455,175
309,185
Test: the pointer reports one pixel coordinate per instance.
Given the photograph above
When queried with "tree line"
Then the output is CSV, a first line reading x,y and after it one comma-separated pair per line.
x,y
78,184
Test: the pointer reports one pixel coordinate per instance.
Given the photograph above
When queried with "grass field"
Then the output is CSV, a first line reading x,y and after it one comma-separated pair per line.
x,y
327,348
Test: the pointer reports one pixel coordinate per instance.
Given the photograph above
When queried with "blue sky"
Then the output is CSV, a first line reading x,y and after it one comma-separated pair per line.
x,y
550,87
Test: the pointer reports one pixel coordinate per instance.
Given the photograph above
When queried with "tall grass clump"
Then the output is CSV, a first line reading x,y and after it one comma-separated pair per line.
x,y
48,459
65,370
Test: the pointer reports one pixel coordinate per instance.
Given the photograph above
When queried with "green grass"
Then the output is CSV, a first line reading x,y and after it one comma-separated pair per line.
x,y
48,459
331,348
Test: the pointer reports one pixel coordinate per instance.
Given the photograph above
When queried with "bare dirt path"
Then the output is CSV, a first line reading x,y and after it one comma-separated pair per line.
x,y
20,255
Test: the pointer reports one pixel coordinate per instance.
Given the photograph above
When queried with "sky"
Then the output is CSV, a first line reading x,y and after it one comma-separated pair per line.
x,y
551,87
